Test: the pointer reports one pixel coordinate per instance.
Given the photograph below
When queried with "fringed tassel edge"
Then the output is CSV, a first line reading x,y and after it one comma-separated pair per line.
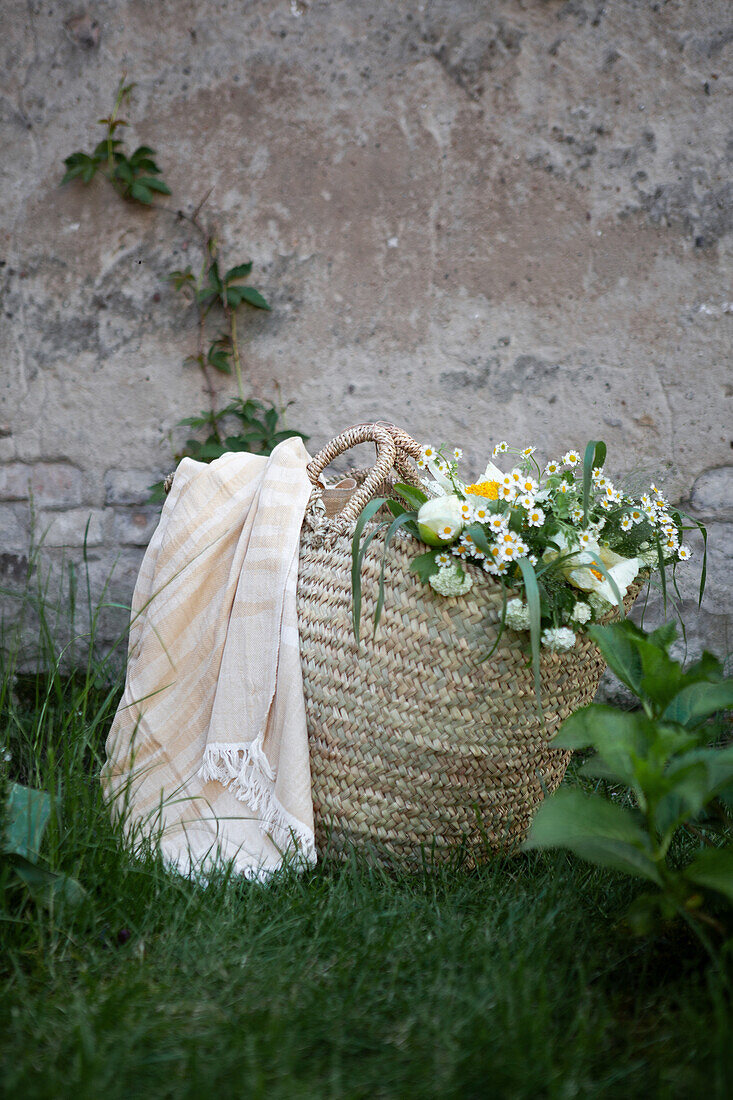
x,y
245,771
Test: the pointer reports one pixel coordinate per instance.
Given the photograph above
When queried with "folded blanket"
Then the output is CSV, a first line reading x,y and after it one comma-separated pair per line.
x,y
208,749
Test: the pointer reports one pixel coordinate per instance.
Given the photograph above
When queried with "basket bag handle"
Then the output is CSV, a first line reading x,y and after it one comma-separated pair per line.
x,y
394,448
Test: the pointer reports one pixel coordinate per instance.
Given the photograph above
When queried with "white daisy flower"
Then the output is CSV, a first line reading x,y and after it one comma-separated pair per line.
x,y
447,531
528,485
457,453
533,558
626,523
481,514
571,458
684,553
421,463
585,538
597,472
459,550
526,501
528,451
552,467
636,515
563,487
467,512
606,505
500,449
601,482
576,515
535,517
498,523
429,452
442,559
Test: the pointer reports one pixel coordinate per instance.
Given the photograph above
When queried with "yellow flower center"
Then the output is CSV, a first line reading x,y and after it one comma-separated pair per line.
x,y
488,489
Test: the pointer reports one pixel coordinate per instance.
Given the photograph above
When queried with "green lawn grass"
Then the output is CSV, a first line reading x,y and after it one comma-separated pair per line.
x,y
512,980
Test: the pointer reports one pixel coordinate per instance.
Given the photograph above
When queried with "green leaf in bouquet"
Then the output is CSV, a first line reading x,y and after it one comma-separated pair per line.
x,y
424,566
713,870
414,496
662,571
477,533
594,829
535,622
358,550
595,455
502,622
397,522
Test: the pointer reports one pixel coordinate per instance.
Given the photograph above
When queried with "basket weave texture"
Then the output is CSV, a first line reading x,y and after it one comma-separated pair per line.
x,y
416,744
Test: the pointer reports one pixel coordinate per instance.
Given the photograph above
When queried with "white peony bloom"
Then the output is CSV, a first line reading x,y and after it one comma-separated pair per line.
x,y
580,571
451,581
440,520
559,638
517,615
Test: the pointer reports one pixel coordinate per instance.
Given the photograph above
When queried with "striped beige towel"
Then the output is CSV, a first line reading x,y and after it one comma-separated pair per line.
x,y
208,748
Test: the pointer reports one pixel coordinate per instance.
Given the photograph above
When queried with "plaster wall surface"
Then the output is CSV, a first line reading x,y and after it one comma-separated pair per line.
x,y
480,220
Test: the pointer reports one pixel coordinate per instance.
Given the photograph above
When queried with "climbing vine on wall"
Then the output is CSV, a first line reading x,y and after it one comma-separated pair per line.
x,y
218,295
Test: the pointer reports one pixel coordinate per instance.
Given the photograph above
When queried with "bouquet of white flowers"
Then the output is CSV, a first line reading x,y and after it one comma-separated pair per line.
x,y
560,535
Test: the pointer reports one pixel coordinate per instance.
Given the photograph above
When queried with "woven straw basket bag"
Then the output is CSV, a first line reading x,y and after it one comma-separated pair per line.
x,y
417,745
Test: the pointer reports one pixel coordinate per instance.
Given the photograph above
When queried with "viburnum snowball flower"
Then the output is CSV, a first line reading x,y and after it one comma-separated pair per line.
x,y
517,615
559,638
451,581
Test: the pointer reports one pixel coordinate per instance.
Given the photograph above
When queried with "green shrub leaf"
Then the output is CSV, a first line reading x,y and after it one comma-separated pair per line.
x,y
594,829
713,870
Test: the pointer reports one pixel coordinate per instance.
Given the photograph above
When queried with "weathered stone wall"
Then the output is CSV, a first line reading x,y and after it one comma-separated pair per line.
x,y
481,219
